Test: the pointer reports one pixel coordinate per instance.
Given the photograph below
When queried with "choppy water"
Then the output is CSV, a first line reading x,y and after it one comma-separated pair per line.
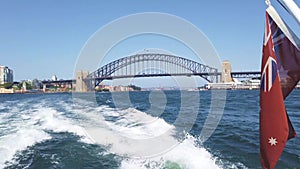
x,y
46,131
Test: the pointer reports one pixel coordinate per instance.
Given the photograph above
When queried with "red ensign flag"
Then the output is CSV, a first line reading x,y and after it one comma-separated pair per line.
x,y
274,128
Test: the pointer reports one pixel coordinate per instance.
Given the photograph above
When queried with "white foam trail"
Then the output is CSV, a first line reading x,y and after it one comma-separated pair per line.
x,y
14,142
139,126
187,155
21,129
50,119
2,107
134,133
11,101
2,117
136,124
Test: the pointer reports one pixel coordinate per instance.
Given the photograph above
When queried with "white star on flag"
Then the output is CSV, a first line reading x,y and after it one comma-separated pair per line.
x,y
273,141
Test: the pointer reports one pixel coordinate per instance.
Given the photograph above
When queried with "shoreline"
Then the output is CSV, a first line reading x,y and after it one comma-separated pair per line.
x,y
70,92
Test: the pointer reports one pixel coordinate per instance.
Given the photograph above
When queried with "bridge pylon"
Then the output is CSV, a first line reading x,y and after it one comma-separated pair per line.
x,y
82,85
226,72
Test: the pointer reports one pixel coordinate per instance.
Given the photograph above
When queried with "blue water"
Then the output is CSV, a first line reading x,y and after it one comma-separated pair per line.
x,y
49,131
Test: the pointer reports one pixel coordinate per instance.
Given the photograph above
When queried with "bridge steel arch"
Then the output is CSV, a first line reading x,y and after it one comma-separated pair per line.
x,y
208,73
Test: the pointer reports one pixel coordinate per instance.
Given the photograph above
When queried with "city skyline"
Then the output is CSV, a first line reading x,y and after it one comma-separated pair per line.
x,y
41,39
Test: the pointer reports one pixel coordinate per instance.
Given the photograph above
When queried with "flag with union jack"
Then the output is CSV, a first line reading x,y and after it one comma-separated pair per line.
x,y
279,75
286,46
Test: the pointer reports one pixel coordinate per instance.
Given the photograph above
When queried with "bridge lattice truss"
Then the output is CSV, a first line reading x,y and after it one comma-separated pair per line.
x,y
132,65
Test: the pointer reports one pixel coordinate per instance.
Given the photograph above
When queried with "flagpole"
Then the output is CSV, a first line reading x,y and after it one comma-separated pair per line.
x,y
292,8
268,2
282,25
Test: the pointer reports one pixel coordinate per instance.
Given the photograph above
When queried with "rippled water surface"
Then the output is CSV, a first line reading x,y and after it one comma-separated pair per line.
x,y
50,131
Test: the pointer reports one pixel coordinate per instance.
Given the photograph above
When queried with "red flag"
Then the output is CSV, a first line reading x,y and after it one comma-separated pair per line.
x,y
286,46
288,55
274,127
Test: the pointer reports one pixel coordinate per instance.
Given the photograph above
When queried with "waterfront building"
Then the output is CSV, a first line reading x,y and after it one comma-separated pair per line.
x,y
6,75
245,85
253,83
227,85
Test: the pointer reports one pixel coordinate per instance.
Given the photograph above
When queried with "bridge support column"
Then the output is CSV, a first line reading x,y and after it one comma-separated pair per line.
x,y
226,72
81,84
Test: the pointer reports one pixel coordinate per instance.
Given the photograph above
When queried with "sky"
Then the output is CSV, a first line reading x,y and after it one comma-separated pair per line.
x,y
41,38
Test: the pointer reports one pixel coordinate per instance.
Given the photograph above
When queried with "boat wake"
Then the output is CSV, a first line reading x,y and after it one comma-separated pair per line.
x,y
22,127
186,155
139,139
145,141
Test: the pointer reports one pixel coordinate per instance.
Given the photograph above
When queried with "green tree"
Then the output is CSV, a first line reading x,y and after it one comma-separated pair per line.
x,y
28,85
19,86
135,87
8,85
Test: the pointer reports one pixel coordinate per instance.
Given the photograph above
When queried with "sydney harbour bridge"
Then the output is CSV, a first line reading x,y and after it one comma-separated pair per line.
x,y
149,65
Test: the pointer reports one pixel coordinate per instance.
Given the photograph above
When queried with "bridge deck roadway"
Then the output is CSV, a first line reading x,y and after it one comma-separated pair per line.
x,y
234,74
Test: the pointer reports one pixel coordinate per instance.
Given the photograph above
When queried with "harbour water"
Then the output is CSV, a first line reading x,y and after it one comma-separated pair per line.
x,y
42,131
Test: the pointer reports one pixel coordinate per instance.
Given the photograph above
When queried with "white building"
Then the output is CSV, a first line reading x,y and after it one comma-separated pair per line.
x,y
54,78
228,85
6,75
248,84
253,83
